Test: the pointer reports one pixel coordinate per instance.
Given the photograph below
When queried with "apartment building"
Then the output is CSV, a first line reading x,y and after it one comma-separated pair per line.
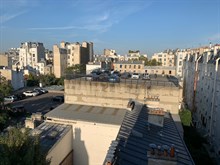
x,y
133,55
129,66
109,52
180,56
167,58
30,54
15,78
5,60
70,54
59,61
201,93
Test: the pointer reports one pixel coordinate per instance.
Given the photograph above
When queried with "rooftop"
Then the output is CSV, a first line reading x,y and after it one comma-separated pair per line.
x,y
50,133
137,134
129,62
87,113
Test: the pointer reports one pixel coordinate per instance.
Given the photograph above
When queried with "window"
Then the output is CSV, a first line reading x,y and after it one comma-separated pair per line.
x,y
120,66
33,55
134,66
130,66
139,67
125,66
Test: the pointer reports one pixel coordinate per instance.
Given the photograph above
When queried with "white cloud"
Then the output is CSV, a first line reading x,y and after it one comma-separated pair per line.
x,y
55,28
7,17
100,16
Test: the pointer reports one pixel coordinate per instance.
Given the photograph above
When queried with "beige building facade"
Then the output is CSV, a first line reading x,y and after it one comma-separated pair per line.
x,y
167,58
129,66
161,70
5,60
59,61
70,54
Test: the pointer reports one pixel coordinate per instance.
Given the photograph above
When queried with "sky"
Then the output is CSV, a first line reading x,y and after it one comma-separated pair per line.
x,y
147,25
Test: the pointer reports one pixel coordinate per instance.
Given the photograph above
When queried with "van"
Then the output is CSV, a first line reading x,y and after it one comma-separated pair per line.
x,y
135,76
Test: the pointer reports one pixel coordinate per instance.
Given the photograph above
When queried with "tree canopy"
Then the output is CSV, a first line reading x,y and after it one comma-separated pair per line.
x,y
18,147
148,62
78,68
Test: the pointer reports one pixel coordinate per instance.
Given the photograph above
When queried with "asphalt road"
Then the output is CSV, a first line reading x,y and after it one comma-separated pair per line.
x,y
41,103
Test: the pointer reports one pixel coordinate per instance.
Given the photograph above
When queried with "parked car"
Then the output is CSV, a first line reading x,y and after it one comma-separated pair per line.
x,y
117,73
135,76
42,90
125,75
38,91
146,76
20,96
11,98
114,78
31,93
17,110
58,98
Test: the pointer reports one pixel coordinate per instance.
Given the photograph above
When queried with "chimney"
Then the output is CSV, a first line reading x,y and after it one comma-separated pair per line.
x,y
161,155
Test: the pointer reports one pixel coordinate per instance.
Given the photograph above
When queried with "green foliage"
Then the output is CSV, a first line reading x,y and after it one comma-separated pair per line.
x,y
78,68
3,119
147,62
5,89
133,51
60,81
32,80
185,116
18,147
48,79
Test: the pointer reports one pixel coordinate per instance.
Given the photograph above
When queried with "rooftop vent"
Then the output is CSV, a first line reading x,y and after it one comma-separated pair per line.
x,y
131,105
156,117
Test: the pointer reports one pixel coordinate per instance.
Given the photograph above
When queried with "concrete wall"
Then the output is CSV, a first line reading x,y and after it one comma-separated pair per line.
x,y
87,138
117,94
91,141
61,149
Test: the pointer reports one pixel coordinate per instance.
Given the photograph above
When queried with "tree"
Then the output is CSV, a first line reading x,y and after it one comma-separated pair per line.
x,y
78,68
48,79
5,89
185,116
18,147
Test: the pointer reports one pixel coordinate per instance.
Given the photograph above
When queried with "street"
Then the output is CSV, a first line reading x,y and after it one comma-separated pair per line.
x,y
41,103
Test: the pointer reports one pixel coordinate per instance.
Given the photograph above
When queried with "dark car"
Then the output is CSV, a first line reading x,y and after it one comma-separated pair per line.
x,y
114,78
20,96
125,75
58,98
116,73
17,110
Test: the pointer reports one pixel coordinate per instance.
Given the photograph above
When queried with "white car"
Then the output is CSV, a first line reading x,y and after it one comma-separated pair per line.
x,y
31,93
135,76
11,98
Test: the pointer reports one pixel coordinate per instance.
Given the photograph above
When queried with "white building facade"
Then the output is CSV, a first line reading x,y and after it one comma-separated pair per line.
x,y
202,94
30,54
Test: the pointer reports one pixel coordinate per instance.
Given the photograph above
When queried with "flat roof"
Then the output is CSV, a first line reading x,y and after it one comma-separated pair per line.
x,y
88,113
50,133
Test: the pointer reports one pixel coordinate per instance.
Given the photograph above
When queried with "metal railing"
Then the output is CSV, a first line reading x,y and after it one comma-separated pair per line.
x,y
147,83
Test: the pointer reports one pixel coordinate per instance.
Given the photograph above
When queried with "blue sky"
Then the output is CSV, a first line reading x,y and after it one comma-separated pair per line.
x,y
148,26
